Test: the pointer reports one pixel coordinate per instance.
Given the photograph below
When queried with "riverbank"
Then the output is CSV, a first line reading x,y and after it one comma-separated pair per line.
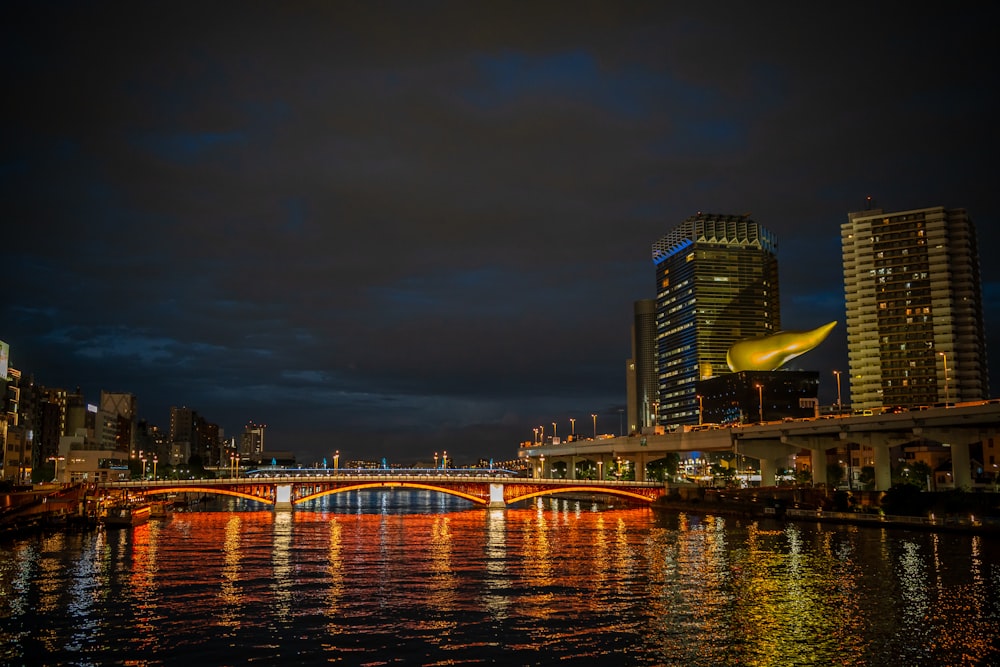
x,y
951,511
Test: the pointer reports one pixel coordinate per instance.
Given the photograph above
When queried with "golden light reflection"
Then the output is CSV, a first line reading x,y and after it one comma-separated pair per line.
x,y
496,595
335,568
283,581
229,591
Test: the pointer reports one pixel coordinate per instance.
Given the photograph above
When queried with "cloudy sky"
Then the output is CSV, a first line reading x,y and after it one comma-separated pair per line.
x,y
399,228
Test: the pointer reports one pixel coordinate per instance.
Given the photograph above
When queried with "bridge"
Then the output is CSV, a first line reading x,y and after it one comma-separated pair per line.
x,y
287,489
956,427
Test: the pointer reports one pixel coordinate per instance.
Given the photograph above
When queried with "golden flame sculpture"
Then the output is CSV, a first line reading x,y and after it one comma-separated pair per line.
x,y
769,353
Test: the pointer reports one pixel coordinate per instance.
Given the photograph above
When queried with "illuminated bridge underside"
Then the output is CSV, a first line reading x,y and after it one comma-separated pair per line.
x,y
485,492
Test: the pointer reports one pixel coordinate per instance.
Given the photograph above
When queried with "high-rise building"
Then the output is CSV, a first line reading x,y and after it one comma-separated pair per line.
x,y
716,284
252,442
641,389
914,308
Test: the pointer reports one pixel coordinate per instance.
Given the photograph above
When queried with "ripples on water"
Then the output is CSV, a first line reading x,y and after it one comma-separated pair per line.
x,y
420,578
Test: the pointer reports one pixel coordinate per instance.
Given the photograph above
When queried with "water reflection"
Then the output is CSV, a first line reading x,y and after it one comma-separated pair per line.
x,y
554,581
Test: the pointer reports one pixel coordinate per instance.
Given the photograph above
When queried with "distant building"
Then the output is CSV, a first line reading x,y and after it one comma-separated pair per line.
x,y
716,284
119,411
640,371
252,442
15,439
914,308
83,458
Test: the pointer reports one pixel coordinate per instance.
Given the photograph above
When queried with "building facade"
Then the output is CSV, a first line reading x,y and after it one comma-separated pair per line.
x,y
914,308
716,284
641,381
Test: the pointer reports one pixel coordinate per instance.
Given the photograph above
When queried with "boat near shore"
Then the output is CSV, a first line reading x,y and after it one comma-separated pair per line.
x,y
126,515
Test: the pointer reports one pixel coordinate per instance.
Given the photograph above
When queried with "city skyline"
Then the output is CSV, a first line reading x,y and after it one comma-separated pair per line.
x,y
378,239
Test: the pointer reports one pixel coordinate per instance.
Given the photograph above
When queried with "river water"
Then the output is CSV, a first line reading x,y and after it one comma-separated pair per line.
x,y
418,578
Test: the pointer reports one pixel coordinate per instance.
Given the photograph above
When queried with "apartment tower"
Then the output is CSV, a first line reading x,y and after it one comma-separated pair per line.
x,y
914,308
716,284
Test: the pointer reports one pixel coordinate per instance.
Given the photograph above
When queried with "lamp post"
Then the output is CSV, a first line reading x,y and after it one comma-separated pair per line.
x,y
621,422
336,460
444,459
947,397
237,466
536,434
553,431
154,467
436,456
572,426
594,417
541,468
700,410
840,409
600,474
760,401
143,459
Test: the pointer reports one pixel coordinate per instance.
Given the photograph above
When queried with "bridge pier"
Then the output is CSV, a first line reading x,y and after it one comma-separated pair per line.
x,y
283,498
496,497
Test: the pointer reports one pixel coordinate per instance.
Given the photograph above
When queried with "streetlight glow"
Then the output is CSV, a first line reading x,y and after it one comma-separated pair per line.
x,y
594,417
839,404
947,397
760,399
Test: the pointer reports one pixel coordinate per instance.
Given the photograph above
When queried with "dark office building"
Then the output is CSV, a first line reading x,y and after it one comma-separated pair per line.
x,y
751,397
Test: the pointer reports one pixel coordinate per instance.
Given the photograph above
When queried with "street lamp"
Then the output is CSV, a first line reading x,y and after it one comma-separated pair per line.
x,y
336,460
840,409
700,409
572,426
594,417
237,466
600,475
154,467
553,431
760,401
621,419
143,459
444,459
436,457
947,397
541,469
536,434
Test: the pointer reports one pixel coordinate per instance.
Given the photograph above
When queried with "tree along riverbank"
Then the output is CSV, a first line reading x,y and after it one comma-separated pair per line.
x,y
902,506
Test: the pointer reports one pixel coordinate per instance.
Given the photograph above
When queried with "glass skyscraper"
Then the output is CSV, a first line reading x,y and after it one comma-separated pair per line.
x,y
716,284
914,308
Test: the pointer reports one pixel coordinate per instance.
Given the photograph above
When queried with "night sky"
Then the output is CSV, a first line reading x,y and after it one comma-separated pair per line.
x,y
394,229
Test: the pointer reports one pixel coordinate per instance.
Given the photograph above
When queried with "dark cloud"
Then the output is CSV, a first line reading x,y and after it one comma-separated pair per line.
x,y
401,227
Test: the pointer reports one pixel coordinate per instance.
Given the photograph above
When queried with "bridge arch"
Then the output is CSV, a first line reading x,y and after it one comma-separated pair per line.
x,y
390,485
580,489
216,491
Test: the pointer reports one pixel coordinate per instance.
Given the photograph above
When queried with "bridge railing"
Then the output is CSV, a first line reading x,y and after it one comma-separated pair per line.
x,y
366,476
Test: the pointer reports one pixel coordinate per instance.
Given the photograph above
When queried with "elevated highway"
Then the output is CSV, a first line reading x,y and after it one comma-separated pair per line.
x,y
957,427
